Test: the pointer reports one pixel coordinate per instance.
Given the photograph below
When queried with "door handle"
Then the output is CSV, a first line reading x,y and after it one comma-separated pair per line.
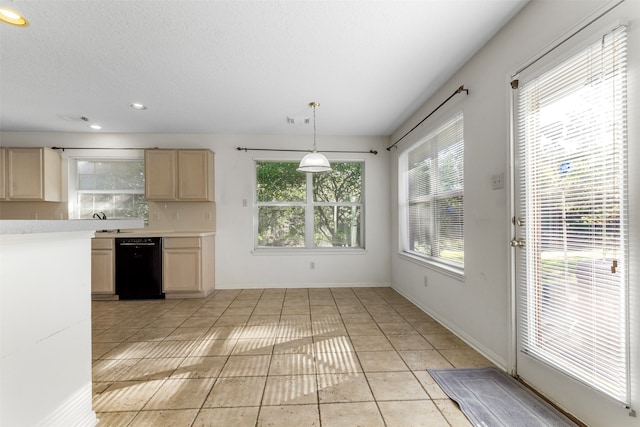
x,y
517,243
517,221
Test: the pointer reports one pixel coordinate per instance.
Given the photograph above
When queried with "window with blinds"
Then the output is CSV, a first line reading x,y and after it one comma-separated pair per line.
x,y
433,173
572,141
114,187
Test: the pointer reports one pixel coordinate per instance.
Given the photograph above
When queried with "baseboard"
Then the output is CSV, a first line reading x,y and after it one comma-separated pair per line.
x,y
300,286
486,352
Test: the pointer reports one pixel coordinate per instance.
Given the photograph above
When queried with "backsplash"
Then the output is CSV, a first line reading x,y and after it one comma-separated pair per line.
x,y
182,216
178,216
33,210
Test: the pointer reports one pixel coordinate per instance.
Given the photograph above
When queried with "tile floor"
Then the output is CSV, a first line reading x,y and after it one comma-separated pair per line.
x,y
274,357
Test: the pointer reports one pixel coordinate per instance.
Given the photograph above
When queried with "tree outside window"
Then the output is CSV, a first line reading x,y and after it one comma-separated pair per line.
x,y
297,210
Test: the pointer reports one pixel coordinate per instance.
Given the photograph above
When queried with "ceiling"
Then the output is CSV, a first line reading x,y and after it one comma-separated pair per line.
x,y
234,67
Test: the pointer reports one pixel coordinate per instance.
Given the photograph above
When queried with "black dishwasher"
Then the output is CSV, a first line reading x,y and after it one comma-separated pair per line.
x,y
139,268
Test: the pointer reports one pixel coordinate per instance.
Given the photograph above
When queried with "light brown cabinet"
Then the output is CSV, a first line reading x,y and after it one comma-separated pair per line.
x,y
102,267
32,174
184,175
3,179
188,266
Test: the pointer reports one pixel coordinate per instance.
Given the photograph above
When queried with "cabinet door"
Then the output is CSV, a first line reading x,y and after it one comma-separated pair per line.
x,y
33,174
3,186
160,174
25,179
52,175
195,175
102,272
182,270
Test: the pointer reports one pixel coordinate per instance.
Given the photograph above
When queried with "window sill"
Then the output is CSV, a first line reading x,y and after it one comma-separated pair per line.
x,y
453,272
305,251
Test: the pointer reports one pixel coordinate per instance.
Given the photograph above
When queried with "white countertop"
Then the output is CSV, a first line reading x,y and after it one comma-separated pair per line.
x,y
153,233
61,226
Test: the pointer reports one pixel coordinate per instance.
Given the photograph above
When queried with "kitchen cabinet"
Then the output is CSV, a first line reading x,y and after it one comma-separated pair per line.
x,y
188,266
183,175
102,267
33,174
3,180
160,174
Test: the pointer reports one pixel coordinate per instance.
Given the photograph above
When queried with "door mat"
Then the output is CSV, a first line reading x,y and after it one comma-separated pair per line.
x,y
489,397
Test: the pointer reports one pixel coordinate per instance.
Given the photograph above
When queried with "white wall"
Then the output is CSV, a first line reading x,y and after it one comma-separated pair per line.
x,y
478,308
236,265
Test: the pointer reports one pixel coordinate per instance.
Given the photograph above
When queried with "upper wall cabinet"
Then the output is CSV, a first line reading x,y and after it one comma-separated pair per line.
x,y
31,174
186,175
3,180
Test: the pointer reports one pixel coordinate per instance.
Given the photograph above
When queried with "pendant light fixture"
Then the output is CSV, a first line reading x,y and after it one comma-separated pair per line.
x,y
314,162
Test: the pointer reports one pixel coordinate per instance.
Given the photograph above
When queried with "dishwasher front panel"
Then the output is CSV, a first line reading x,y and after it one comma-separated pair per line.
x,y
139,268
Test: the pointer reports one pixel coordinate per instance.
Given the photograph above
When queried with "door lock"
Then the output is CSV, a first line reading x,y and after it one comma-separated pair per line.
x,y
517,243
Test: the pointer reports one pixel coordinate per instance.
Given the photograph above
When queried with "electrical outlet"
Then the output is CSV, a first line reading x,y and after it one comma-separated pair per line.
x,y
426,281
497,181
312,265
209,216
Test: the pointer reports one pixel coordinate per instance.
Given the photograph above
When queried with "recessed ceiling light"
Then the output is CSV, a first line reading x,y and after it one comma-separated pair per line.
x,y
137,106
12,17
95,127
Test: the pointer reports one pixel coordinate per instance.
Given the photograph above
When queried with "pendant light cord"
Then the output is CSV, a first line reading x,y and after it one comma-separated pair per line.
x,y
314,105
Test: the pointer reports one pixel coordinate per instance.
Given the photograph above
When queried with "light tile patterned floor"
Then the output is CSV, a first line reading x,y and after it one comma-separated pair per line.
x,y
274,357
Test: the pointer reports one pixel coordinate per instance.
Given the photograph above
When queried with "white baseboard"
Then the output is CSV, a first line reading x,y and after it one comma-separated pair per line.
x,y
301,285
500,362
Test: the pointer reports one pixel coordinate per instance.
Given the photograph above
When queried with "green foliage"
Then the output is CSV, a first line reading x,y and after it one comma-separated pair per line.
x,y
280,182
282,191
342,184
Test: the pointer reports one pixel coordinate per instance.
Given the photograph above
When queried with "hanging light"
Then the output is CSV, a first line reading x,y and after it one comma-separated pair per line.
x,y
314,161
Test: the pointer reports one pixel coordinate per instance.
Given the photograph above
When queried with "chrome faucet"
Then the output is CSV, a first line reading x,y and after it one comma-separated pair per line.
x,y
100,215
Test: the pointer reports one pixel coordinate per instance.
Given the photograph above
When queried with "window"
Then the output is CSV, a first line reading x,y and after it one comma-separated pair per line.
x,y
432,173
112,186
298,210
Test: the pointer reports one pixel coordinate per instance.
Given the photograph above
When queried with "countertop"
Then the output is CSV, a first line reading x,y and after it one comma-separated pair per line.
x,y
152,233
10,226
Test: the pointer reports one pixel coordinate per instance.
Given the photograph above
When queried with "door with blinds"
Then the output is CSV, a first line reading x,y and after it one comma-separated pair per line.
x,y
571,229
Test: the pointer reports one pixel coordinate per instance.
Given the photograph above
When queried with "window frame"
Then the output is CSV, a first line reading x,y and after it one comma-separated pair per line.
x,y
95,155
309,206
447,267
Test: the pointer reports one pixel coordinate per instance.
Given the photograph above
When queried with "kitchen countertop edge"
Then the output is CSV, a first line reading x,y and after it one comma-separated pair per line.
x,y
10,226
153,233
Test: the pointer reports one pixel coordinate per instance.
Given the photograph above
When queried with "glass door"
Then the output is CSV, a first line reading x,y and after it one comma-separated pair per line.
x,y
571,232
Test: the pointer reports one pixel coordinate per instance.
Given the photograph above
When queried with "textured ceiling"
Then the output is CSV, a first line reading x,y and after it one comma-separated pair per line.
x,y
234,67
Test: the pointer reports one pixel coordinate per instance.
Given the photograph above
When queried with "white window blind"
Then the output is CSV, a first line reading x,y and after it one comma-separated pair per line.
x,y
571,133
434,190
114,187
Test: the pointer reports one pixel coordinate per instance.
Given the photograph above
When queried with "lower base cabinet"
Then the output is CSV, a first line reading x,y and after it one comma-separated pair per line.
x,y
102,268
188,266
